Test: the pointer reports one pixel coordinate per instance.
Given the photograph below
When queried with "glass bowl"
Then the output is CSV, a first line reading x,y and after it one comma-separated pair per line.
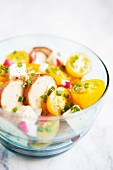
x,y
42,140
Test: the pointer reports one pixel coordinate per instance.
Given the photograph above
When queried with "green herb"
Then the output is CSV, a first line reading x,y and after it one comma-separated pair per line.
x,y
29,82
58,92
74,58
4,68
66,95
21,98
32,74
24,84
15,109
48,129
75,109
58,54
67,107
40,129
0,70
14,52
19,64
47,70
86,85
77,87
50,90
44,98
54,69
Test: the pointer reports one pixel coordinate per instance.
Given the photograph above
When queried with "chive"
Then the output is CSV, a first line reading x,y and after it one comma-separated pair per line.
x,y
67,107
54,69
4,68
15,109
47,70
66,95
77,87
14,52
32,74
48,129
74,58
63,111
40,129
0,70
50,90
75,109
58,92
29,82
86,85
44,98
19,64
24,84
58,54
21,98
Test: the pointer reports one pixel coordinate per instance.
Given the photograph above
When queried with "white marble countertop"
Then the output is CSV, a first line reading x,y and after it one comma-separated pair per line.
x,y
91,23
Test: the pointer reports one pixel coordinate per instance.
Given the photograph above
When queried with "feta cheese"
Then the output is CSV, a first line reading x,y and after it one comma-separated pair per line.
x,y
40,58
17,72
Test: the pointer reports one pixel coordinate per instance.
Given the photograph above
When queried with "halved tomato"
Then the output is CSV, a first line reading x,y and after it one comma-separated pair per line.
x,y
19,57
78,65
57,100
87,92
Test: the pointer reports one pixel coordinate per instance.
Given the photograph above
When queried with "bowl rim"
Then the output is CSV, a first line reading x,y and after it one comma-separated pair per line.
x,y
73,41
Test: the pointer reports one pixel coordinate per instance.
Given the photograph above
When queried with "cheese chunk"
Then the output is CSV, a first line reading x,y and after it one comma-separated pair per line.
x,y
17,71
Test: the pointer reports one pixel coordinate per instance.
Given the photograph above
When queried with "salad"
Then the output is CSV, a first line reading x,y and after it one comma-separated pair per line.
x,y
40,84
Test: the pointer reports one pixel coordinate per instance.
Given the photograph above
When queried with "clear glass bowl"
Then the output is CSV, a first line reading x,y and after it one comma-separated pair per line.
x,y
66,131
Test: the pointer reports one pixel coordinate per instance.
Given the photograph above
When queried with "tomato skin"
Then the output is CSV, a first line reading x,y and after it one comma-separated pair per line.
x,y
19,57
88,96
84,65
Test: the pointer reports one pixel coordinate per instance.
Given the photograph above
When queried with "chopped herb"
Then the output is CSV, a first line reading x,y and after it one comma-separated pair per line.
x,y
75,109
24,84
29,82
32,74
67,107
40,129
47,70
5,68
48,129
0,70
77,87
21,98
74,58
19,64
15,109
54,69
58,54
44,98
86,85
50,90
66,95
14,52
58,92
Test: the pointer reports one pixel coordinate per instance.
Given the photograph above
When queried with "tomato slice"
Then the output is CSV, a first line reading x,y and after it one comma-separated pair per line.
x,y
19,57
78,65
87,92
47,130
57,74
57,100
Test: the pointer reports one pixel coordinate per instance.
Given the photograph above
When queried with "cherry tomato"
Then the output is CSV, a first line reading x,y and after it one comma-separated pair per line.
x,y
87,92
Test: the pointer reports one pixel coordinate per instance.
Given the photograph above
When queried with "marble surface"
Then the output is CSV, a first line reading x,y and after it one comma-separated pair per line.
x,y
91,23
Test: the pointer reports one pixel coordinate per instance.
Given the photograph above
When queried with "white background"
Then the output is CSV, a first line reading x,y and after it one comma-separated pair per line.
x,y
89,22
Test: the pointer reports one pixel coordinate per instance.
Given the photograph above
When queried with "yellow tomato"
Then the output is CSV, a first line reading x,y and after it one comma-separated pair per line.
x,y
87,92
78,65
19,57
57,100
32,68
57,74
